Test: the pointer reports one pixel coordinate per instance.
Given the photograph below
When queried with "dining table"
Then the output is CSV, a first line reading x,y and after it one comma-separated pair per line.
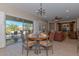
x,y
38,38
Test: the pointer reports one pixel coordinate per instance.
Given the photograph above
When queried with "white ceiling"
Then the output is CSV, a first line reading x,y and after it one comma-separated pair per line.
x,y
52,9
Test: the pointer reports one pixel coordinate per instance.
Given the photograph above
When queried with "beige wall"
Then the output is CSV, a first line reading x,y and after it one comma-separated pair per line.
x,y
8,10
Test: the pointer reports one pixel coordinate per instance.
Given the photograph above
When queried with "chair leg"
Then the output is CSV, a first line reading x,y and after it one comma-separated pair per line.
x,y
77,51
39,50
27,48
52,49
27,51
22,49
46,51
36,50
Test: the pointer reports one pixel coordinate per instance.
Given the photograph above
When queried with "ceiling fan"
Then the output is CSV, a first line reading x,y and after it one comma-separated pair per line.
x,y
57,18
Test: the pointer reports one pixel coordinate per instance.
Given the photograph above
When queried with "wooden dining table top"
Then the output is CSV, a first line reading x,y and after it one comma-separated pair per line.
x,y
39,37
33,39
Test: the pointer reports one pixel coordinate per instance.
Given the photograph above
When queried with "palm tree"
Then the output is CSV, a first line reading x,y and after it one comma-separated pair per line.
x,y
11,27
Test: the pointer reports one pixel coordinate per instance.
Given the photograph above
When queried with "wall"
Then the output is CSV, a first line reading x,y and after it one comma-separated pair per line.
x,y
2,30
8,10
77,24
62,21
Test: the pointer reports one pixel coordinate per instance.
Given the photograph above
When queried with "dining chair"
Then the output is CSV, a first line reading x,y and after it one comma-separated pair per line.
x,y
51,39
36,44
30,42
27,42
44,41
24,45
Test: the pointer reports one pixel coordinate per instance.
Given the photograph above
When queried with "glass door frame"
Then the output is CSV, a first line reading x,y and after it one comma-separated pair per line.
x,y
22,20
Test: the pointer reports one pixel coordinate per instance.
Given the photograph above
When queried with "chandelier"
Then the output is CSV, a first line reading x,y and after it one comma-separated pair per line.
x,y
41,11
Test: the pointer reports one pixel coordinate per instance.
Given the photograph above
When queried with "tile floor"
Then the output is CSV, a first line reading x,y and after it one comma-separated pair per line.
x,y
67,47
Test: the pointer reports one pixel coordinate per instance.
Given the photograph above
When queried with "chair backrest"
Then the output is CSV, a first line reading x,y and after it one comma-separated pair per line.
x,y
32,36
43,36
51,36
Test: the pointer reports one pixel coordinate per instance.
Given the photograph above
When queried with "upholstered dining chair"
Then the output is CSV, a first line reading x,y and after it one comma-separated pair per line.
x,y
24,45
46,43
51,36
31,41
51,39
28,43
43,41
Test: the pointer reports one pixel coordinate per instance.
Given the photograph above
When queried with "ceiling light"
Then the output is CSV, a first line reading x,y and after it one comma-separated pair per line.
x,y
41,11
67,16
67,11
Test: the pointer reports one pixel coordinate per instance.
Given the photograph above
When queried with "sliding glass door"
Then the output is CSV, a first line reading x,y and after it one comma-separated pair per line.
x,y
28,26
14,26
